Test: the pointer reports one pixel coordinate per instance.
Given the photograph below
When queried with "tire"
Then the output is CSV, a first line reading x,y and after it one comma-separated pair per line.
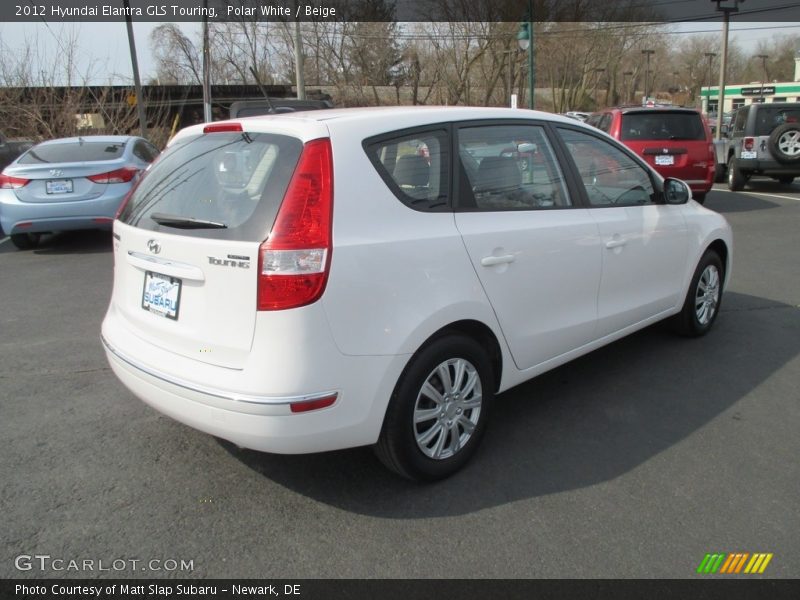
x,y
786,179
25,241
428,449
699,197
736,179
701,306
784,143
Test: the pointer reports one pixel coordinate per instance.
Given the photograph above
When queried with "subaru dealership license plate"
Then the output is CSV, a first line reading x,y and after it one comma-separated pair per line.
x,y
664,160
161,294
59,186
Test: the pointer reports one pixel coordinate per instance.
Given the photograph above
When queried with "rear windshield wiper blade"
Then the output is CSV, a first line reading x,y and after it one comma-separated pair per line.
x,y
185,222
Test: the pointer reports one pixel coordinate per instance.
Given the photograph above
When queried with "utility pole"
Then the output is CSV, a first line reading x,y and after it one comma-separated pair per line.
x,y
647,53
135,66
627,85
207,117
726,7
298,62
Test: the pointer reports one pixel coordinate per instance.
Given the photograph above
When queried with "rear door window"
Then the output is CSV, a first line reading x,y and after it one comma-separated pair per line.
x,y
76,151
662,126
230,184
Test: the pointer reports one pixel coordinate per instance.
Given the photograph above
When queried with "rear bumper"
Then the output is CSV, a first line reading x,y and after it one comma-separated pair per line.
x,y
97,213
250,407
767,167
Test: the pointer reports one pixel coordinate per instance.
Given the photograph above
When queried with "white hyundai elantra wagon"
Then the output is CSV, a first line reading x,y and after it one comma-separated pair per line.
x,y
314,281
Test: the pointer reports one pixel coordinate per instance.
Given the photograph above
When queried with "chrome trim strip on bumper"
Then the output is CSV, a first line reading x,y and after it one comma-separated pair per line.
x,y
217,393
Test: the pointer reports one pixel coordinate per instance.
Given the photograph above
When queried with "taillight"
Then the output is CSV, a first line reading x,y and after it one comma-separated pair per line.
x,y
749,143
7,182
123,175
222,127
127,197
293,262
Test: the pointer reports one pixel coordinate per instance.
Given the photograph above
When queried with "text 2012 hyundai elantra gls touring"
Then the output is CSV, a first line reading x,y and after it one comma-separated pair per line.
x,y
308,282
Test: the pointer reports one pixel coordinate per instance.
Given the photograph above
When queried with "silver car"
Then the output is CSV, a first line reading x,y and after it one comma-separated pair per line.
x,y
69,183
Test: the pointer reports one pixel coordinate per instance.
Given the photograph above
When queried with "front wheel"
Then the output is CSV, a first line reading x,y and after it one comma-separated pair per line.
x,y
786,179
699,197
438,411
703,299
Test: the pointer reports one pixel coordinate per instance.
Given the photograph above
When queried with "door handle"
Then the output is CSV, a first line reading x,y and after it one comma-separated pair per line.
x,y
615,243
490,261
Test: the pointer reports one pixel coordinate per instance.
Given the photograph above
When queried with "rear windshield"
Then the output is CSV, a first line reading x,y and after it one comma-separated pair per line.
x,y
218,185
768,119
73,152
662,126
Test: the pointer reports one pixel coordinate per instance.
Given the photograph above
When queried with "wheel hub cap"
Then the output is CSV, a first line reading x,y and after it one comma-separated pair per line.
x,y
707,295
447,408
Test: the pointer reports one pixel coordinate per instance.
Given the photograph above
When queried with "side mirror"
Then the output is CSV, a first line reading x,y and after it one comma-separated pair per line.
x,y
676,191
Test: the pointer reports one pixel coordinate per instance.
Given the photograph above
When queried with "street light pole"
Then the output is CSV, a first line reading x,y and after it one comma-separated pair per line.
x,y
647,53
710,56
525,41
763,58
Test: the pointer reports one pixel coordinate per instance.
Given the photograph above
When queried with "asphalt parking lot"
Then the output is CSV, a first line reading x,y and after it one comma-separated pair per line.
x,y
633,461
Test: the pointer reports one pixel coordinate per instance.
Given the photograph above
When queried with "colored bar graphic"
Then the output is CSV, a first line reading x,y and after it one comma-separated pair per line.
x,y
734,563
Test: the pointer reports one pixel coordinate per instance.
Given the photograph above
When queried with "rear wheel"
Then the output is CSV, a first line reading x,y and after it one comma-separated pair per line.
x,y
699,197
703,299
719,173
438,411
736,179
786,179
25,241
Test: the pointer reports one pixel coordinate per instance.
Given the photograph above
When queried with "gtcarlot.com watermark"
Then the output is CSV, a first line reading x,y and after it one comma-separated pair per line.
x,y
48,563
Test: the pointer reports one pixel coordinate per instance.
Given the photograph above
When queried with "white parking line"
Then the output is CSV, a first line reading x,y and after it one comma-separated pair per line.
x,y
761,194
4,240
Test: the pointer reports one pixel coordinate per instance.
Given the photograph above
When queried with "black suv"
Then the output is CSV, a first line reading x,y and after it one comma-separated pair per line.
x,y
764,140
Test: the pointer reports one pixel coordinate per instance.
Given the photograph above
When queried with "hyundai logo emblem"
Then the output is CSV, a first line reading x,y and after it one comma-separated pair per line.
x,y
56,172
153,246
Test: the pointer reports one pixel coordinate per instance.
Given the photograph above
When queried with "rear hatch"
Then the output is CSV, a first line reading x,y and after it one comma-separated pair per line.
x,y
71,171
676,143
187,242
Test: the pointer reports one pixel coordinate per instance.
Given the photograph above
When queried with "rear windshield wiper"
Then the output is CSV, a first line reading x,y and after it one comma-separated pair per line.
x,y
185,222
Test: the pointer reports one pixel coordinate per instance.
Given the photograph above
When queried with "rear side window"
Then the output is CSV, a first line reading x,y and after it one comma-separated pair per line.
x,y
73,152
662,126
768,118
415,166
219,185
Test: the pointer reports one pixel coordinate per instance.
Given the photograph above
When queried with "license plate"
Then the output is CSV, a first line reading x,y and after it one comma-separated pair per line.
x,y
59,186
664,160
161,295
750,154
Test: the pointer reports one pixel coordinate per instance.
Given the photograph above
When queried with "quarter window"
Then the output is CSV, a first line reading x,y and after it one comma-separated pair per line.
x,y
609,175
509,167
415,166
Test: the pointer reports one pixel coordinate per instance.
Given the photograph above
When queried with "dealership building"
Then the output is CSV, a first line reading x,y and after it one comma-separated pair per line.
x,y
740,95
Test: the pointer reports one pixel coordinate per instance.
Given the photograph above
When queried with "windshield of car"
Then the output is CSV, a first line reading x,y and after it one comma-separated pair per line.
x,y
221,185
768,118
69,152
662,126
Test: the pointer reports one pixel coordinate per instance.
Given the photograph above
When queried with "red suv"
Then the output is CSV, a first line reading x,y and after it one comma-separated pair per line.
x,y
676,142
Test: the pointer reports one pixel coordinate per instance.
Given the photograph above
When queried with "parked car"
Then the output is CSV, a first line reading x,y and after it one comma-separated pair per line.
x,y
254,108
578,115
676,142
304,283
69,183
11,149
764,140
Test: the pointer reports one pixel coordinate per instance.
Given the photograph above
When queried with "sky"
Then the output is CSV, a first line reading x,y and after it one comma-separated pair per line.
x,y
104,54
